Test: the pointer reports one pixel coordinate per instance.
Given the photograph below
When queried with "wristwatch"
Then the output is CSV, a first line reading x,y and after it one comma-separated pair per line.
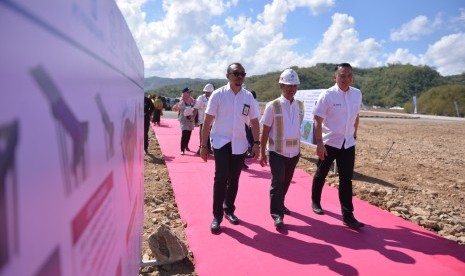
x,y
256,143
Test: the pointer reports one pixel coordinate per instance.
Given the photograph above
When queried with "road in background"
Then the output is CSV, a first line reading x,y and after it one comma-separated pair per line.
x,y
376,116
169,115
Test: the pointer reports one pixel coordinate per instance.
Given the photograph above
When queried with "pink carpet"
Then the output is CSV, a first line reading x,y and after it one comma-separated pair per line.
x,y
309,244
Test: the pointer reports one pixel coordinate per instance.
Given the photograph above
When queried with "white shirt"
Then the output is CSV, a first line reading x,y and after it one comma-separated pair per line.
x,y
231,112
201,105
291,124
259,114
339,110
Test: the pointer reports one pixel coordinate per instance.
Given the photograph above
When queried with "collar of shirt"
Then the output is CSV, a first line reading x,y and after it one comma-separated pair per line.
x,y
228,87
288,107
339,90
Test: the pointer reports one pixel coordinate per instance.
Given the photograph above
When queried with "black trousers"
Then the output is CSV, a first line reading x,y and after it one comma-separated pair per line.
x,y
156,116
345,160
282,171
146,132
228,169
185,138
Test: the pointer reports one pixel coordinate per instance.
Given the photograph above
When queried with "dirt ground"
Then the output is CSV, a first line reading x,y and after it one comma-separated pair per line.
x,y
413,168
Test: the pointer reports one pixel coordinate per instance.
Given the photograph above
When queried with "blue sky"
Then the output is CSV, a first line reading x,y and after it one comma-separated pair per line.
x,y
199,38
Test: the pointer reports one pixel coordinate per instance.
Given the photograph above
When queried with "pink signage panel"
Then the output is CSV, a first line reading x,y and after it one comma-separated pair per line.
x,y
71,158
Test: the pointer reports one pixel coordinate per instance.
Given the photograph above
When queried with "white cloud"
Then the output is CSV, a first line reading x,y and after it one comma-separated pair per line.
x,y
403,56
458,23
415,28
184,43
447,54
341,43
316,6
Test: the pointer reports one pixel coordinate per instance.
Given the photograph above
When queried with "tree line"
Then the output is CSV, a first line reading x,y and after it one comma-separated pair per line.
x,y
387,86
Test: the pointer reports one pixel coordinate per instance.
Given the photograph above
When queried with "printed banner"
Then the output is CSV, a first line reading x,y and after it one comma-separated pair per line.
x,y
309,98
71,146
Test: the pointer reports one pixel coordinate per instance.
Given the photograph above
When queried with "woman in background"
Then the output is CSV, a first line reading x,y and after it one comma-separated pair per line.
x,y
185,109
158,104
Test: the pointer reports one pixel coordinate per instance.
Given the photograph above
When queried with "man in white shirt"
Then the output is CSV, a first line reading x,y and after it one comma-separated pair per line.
x,y
336,118
281,130
228,109
199,108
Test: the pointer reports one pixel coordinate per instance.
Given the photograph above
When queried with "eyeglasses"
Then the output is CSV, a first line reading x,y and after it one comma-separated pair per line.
x,y
237,74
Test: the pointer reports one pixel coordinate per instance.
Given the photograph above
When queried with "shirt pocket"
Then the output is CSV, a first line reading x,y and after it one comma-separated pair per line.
x,y
245,109
339,109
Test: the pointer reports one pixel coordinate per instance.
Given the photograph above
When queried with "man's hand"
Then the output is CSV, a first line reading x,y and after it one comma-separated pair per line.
x,y
256,151
321,151
263,160
204,153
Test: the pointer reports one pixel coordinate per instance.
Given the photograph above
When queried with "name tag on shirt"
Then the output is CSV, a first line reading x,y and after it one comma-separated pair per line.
x,y
245,110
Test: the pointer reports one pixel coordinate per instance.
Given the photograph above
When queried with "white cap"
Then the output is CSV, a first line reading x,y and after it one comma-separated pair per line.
x,y
289,77
208,88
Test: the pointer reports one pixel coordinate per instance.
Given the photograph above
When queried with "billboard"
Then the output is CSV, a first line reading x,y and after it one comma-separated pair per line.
x,y
309,98
71,153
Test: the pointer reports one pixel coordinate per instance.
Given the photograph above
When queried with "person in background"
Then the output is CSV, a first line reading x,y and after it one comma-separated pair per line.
x,y
336,119
185,109
158,104
148,113
281,130
227,109
199,108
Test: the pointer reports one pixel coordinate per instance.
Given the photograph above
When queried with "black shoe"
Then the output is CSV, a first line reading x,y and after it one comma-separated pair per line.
x,y
352,222
278,222
316,207
244,166
286,211
188,149
215,226
232,218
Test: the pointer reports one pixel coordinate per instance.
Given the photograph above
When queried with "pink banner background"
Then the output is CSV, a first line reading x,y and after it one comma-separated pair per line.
x,y
70,139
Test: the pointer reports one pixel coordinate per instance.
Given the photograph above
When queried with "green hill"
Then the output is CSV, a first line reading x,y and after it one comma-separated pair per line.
x,y
441,100
388,86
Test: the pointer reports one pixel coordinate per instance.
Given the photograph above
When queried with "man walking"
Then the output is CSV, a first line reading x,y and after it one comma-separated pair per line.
x,y
336,118
199,109
228,108
281,130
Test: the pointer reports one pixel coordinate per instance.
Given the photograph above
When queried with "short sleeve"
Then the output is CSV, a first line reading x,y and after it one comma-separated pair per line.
x,y
267,118
212,105
253,108
320,106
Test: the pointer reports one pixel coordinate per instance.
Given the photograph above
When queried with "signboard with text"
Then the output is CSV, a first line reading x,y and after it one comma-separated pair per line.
x,y
71,153
309,98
